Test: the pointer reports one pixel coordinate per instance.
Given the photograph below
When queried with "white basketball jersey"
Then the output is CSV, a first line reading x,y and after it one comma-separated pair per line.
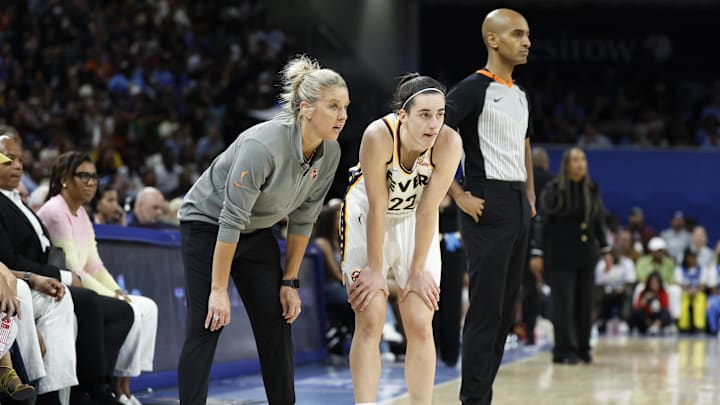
x,y
405,185
405,188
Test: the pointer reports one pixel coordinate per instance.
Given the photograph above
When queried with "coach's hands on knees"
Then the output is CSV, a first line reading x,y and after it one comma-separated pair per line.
x,y
368,283
422,284
218,314
291,303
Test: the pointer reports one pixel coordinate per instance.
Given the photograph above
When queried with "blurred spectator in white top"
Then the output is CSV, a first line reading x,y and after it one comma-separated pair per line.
x,y
699,245
615,288
37,198
676,237
167,171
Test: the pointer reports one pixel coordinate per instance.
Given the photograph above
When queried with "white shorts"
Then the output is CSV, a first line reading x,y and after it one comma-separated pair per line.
x,y
398,246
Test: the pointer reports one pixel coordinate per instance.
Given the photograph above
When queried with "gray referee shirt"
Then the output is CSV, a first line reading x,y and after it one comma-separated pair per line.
x,y
493,119
259,180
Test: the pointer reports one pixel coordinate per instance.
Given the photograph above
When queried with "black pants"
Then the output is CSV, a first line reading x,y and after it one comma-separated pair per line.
x,y
446,323
572,302
496,249
530,304
613,303
103,325
257,272
641,321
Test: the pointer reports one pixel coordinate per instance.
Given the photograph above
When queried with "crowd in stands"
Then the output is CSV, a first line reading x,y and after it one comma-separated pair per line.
x,y
154,90
614,112
661,281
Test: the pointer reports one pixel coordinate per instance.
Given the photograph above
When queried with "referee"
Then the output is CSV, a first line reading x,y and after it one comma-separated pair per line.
x,y
492,115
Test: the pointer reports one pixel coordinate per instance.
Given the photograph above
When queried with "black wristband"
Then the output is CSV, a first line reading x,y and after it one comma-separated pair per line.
x,y
294,283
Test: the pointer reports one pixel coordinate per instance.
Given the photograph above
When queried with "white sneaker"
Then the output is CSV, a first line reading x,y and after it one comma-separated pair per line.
x,y
387,357
594,336
134,400
124,400
390,334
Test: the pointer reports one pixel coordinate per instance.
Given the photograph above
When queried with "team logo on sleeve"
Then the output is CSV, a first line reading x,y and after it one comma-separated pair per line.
x,y
238,184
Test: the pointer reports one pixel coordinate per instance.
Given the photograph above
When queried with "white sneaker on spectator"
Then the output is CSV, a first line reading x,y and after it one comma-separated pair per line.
x,y
134,400
390,334
594,336
654,329
124,400
623,328
387,357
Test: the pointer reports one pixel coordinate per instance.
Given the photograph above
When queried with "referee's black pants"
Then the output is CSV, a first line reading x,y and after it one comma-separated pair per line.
x,y
257,272
496,249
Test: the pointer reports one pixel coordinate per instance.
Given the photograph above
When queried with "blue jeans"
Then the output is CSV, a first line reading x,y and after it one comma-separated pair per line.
x,y
713,313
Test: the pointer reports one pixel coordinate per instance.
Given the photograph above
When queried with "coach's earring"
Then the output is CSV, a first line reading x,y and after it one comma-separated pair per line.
x,y
64,185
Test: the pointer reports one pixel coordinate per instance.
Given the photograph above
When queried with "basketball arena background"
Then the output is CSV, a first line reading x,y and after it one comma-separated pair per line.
x,y
658,53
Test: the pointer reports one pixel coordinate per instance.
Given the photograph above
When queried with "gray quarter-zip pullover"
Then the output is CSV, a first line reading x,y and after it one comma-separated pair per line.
x,y
260,179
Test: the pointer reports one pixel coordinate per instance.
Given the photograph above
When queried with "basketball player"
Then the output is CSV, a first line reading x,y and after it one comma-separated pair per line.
x,y
390,223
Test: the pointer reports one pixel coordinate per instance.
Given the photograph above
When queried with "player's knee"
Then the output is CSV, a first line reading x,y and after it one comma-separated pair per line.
x,y
369,323
417,327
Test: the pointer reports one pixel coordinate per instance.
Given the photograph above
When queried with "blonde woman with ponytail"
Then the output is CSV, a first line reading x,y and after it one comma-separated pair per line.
x,y
278,169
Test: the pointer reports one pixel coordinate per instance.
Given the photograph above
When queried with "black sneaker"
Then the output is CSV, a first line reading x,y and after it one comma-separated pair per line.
x,y
103,395
80,397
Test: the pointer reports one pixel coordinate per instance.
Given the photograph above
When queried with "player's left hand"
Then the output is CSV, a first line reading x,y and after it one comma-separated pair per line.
x,y
291,303
533,211
422,283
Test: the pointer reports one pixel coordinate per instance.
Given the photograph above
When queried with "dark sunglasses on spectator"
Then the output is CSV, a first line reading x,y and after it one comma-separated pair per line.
x,y
85,177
